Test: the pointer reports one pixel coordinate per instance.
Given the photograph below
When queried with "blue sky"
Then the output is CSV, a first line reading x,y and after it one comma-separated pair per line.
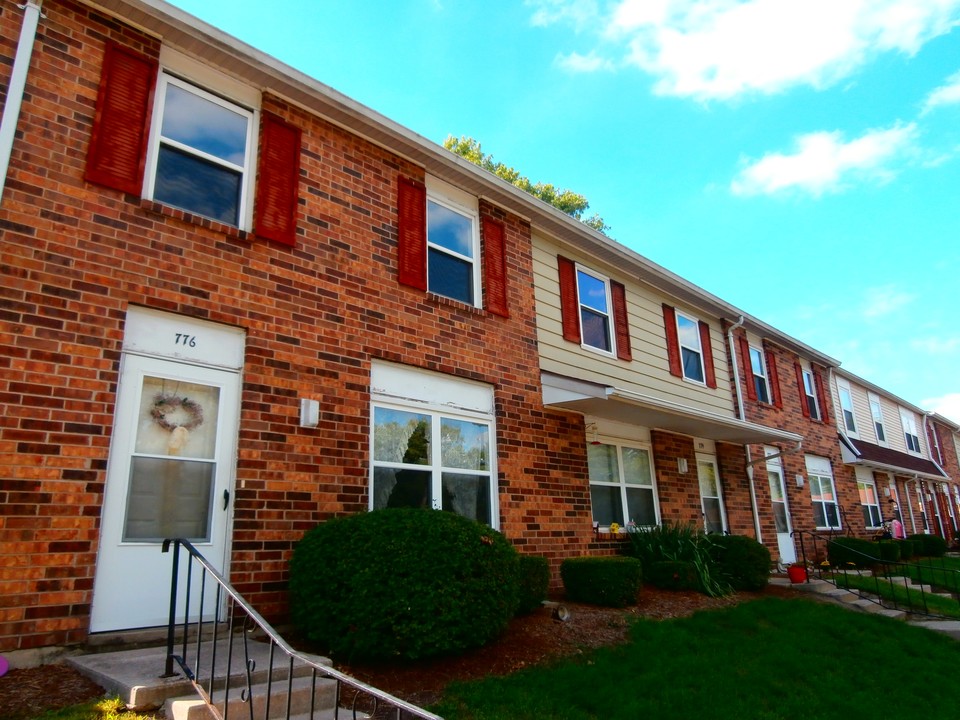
x,y
800,160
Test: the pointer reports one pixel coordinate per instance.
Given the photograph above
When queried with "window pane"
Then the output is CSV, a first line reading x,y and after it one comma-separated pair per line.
x,y
756,362
450,276
760,385
602,463
464,444
819,519
198,186
776,486
833,519
595,329
692,368
467,495
711,512
401,437
708,479
868,493
449,229
881,436
168,499
636,467
607,505
640,507
848,421
780,516
204,125
688,332
812,407
393,488
593,292
177,418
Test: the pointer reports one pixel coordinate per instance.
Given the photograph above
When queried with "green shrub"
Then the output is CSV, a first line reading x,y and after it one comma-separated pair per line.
x,y
887,551
672,575
929,545
402,583
742,560
609,581
534,582
844,551
682,542
907,549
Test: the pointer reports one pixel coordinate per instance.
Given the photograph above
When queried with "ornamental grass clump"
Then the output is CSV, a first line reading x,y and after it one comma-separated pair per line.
x,y
402,583
680,542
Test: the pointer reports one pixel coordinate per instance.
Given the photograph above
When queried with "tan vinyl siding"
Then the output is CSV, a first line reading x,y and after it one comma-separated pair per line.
x,y
648,372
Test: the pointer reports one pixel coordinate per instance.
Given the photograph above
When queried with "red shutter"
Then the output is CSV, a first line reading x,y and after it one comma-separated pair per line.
x,y
569,306
412,233
706,348
278,180
121,125
495,267
747,368
821,396
774,378
621,325
803,390
673,340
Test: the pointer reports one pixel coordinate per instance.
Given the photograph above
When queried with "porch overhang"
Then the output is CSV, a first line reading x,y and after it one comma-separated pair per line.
x,y
876,457
626,406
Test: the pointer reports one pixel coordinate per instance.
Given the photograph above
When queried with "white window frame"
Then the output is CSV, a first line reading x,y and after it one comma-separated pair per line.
x,y
623,485
872,513
810,391
705,459
846,399
608,300
876,413
757,356
819,473
231,95
698,350
461,203
910,435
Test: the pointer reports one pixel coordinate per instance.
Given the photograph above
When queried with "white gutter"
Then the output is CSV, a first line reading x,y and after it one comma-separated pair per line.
x,y
742,415
18,82
936,441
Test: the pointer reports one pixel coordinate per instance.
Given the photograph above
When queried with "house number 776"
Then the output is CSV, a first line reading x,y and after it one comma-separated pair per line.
x,y
184,339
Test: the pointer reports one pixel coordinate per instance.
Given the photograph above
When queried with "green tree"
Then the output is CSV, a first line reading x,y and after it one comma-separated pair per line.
x,y
573,204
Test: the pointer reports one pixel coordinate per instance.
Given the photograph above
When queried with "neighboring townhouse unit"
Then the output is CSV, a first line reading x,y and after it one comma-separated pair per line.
x,y
639,355
783,383
885,445
943,436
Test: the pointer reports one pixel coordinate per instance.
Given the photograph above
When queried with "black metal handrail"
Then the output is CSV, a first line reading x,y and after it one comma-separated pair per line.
x,y
231,616
814,552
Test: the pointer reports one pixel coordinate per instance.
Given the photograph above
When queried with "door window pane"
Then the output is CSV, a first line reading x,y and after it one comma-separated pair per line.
x,y
168,499
177,418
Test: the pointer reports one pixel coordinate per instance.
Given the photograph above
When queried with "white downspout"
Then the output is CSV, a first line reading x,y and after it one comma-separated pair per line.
x,y
742,415
18,82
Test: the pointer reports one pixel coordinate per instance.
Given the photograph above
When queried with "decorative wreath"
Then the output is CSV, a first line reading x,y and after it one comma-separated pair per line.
x,y
171,406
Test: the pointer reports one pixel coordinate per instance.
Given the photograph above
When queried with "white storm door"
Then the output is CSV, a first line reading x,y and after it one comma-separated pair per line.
x,y
781,513
711,498
170,475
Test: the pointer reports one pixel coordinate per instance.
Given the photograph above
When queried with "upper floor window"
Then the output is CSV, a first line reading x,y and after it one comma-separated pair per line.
x,y
200,152
876,412
910,430
758,368
593,294
691,352
622,489
452,241
810,395
846,407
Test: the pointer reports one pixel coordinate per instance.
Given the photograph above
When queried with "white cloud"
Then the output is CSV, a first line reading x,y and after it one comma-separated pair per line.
x,y
947,405
884,300
725,48
946,94
824,162
575,62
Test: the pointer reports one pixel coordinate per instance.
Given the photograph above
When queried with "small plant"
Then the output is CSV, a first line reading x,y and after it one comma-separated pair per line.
x,y
534,582
608,581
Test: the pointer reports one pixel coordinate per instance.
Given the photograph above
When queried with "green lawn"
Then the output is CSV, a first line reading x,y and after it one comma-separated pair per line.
x,y
759,660
897,595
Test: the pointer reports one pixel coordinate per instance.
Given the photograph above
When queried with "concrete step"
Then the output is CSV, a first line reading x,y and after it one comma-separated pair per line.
x,y
135,675
238,703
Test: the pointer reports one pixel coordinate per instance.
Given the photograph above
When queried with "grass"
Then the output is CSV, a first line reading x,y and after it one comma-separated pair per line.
x,y
102,709
770,659
892,589
942,572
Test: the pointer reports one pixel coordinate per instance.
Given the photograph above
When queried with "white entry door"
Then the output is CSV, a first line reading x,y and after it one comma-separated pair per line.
x,y
781,511
170,475
711,497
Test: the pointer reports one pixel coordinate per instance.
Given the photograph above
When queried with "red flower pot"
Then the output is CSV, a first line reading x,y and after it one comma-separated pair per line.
x,y
797,573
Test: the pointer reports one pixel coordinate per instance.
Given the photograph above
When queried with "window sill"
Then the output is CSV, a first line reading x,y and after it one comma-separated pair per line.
x,y
157,208
458,304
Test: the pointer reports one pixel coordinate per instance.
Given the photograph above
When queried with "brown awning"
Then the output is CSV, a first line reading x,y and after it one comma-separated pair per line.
x,y
858,452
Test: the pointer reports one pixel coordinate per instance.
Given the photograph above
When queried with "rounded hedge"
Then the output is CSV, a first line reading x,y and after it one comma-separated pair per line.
x,y
929,545
534,583
672,575
742,560
612,581
402,583
845,551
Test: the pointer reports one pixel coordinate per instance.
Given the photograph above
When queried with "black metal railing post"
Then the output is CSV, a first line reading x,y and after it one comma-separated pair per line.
x,y
172,618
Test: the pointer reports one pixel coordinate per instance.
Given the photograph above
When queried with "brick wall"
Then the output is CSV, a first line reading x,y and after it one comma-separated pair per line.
x,y
75,256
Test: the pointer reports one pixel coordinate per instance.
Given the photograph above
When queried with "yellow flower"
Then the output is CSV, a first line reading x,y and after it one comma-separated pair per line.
x,y
614,527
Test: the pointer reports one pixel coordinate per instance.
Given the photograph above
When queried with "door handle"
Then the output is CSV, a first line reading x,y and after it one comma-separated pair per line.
x,y
226,499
